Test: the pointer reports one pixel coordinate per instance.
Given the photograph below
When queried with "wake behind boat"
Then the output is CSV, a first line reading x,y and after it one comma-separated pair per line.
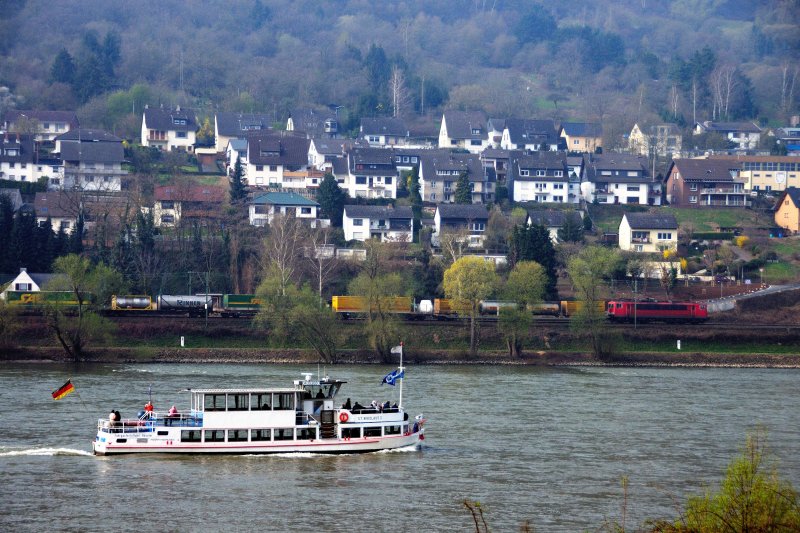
x,y
302,418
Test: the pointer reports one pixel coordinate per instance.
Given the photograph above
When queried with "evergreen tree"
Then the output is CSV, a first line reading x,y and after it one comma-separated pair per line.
x,y
61,243
463,189
6,226
237,183
75,244
331,199
532,243
572,229
63,69
22,249
44,246
416,202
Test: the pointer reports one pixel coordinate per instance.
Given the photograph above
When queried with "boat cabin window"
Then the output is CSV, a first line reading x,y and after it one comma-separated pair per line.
x,y
261,435
190,436
374,431
237,435
238,402
283,401
305,434
351,433
261,401
284,434
214,402
391,430
214,435
323,391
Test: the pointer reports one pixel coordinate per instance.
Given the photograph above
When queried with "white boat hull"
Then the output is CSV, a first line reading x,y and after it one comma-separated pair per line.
x,y
149,444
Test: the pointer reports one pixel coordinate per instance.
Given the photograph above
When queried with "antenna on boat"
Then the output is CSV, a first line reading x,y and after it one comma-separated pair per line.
x,y
402,372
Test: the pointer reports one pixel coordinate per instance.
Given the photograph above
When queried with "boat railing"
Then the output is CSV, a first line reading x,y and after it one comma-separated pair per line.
x,y
125,426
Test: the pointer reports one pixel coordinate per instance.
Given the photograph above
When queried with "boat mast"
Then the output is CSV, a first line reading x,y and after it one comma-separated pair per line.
x,y
400,404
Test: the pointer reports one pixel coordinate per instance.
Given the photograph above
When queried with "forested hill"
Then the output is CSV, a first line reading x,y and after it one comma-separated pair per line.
x,y
618,61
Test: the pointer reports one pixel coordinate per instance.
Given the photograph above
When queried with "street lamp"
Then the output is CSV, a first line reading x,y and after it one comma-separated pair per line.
x,y
761,271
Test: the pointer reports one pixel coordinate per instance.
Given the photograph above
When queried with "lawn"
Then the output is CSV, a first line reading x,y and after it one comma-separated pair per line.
x,y
608,217
781,272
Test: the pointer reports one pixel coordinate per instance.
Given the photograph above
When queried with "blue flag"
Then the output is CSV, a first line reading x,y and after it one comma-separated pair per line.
x,y
392,376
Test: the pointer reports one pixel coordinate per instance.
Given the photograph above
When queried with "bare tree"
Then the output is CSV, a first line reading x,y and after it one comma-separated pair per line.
x,y
399,92
673,100
320,253
453,244
787,87
281,249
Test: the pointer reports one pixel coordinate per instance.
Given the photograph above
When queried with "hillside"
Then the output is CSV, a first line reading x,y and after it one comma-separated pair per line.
x,y
613,61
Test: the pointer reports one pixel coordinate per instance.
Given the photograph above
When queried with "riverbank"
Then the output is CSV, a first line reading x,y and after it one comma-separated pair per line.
x,y
118,355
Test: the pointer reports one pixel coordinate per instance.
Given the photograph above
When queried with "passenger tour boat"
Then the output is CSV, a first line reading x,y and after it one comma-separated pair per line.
x,y
302,418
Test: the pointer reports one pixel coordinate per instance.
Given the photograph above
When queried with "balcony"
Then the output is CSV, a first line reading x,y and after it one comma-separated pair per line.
x,y
640,240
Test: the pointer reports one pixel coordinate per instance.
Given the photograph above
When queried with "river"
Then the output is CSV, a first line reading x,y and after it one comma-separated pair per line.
x,y
546,445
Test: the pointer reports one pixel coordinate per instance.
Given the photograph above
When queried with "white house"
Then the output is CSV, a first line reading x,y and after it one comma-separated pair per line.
x,y
169,129
745,135
614,178
463,130
92,161
265,206
542,177
529,134
385,223
28,282
646,232
470,219
44,125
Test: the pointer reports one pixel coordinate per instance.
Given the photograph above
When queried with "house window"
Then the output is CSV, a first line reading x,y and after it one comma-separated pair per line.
x,y
638,248
558,186
23,287
405,159
180,134
361,180
167,219
558,198
305,210
664,236
559,173
259,168
273,168
433,197
693,199
358,221
476,131
373,138
64,225
576,141
475,143
167,205
541,172
477,226
387,180
692,186
632,188
525,172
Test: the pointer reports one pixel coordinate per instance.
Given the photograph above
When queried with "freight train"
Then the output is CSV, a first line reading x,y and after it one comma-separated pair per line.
x,y
653,311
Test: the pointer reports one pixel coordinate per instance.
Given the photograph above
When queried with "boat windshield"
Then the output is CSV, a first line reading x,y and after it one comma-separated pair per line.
x,y
323,390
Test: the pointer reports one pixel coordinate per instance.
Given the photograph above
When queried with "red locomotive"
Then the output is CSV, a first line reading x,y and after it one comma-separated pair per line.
x,y
653,311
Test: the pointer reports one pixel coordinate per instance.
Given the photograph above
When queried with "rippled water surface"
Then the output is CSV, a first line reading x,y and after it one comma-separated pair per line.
x,y
544,445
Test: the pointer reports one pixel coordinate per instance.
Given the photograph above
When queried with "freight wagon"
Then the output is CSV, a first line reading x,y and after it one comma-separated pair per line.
x,y
651,311
349,306
238,305
35,302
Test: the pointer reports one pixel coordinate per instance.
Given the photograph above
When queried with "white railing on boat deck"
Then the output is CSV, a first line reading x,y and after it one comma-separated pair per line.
x,y
147,423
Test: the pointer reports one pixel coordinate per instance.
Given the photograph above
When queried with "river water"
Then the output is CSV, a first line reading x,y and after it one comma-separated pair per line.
x,y
546,445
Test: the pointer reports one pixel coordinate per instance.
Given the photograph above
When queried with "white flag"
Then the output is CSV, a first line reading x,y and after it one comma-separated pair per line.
x,y
397,349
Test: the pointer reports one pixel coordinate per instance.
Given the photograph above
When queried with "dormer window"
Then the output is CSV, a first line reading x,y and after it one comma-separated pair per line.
x,y
476,131
179,121
541,173
559,173
524,172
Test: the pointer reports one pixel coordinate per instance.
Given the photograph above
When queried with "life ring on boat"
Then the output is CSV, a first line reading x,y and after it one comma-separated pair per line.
x,y
343,417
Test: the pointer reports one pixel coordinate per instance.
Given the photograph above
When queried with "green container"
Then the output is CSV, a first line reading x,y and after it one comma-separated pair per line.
x,y
35,299
241,302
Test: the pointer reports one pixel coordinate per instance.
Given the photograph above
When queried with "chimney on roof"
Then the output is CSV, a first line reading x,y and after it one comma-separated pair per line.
x,y
22,269
178,108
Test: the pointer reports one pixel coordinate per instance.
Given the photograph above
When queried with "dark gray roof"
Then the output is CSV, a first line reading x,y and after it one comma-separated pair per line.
x,y
542,161
20,143
464,212
371,161
460,124
531,131
378,211
706,169
393,127
158,118
582,129
651,221
548,219
339,167
618,164
496,124
236,124
68,117
791,192
311,121
725,127
333,147
89,152
495,153
86,135
433,161
277,149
